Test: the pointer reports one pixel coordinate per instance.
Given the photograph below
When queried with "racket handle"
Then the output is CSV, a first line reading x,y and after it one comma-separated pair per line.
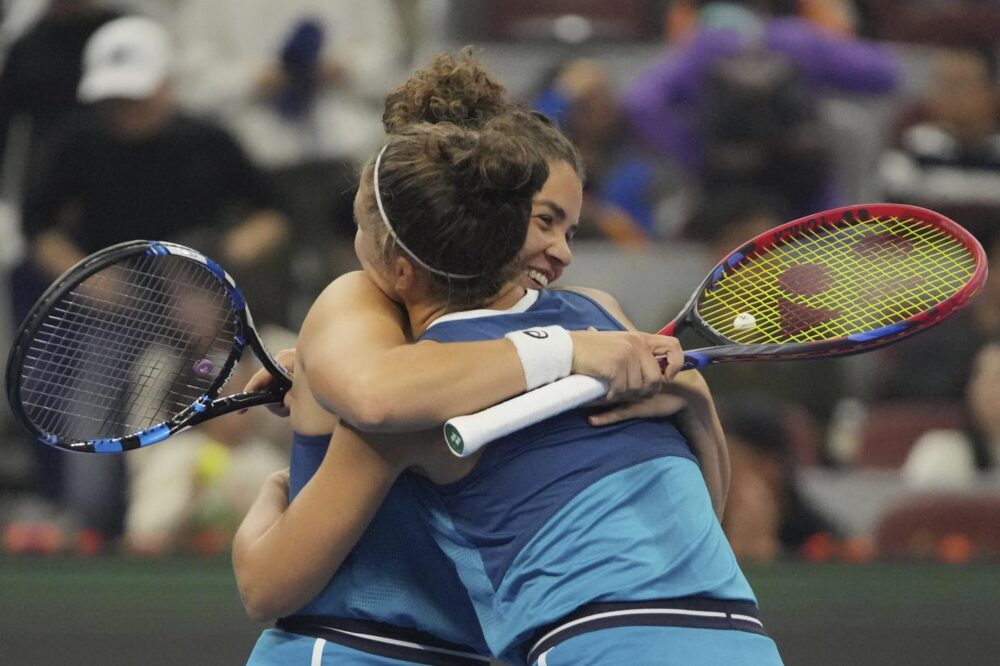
x,y
467,434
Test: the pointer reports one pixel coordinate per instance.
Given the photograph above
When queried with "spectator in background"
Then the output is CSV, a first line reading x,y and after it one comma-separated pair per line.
x,y
954,458
40,74
766,514
723,223
134,167
948,157
301,83
630,196
734,103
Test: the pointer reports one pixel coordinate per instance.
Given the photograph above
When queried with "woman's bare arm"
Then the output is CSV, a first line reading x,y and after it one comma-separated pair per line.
x,y
363,366
284,554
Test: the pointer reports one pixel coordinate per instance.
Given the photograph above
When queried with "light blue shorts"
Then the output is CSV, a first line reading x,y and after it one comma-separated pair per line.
x,y
663,646
280,648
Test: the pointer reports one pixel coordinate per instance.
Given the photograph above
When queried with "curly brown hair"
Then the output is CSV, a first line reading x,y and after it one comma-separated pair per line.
x,y
459,202
454,89
459,89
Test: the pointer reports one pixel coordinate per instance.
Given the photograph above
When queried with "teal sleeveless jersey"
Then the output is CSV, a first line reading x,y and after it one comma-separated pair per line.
x,y
396,574
562,514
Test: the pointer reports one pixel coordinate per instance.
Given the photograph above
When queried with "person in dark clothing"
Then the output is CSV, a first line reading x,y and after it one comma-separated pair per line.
x,y
738,96
131,166
168,184
41,71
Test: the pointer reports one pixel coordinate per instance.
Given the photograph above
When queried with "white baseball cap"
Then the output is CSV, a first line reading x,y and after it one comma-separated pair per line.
x,y
128,57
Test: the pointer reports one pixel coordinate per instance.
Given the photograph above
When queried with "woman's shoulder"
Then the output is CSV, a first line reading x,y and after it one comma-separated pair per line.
x,y
355,295
603,299
352,286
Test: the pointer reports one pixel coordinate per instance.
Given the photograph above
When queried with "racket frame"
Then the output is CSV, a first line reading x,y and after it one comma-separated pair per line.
x,y
727,351
207,406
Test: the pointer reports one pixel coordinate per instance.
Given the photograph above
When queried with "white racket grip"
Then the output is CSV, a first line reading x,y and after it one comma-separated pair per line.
x,y
467,434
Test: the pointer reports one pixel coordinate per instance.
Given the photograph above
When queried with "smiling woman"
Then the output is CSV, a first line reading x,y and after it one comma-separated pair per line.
x,y
460,90
555,216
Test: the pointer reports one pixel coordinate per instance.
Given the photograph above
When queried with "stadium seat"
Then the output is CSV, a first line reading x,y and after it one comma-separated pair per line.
x,y
891,428
948,526
953,22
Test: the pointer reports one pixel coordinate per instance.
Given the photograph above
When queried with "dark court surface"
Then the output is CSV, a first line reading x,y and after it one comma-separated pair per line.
x,y
120,611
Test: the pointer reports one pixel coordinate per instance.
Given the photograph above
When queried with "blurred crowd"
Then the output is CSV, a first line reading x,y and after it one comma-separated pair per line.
x,y
238,127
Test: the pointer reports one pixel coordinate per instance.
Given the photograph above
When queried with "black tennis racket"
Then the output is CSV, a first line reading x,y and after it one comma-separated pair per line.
x,y
132,345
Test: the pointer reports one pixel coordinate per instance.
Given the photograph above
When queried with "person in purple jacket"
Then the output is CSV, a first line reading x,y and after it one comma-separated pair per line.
x,y
678,105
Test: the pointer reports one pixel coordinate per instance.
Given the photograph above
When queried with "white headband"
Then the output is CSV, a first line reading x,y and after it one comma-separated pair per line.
x,y
392,232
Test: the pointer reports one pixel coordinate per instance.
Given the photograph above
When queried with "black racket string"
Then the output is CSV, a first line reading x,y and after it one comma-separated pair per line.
x,y
115,355
158,320
101,331
81,336
185,375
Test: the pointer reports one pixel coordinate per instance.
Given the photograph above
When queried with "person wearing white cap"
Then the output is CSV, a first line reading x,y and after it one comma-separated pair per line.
x,y
127,62
134,165
128,58
131,165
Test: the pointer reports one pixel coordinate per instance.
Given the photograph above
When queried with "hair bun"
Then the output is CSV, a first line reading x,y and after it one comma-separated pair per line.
x,y
450,89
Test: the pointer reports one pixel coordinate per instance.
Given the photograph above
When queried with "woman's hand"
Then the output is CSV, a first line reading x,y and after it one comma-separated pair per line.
x,y
667,402
687,389
626,360
276,488
262,379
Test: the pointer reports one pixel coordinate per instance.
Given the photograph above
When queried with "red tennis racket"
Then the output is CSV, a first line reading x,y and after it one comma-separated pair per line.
x,y
840,282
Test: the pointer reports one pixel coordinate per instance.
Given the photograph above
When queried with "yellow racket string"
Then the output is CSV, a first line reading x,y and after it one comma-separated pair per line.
x,y
832,282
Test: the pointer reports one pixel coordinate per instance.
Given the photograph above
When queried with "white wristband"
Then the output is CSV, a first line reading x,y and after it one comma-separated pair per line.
x,y
546,354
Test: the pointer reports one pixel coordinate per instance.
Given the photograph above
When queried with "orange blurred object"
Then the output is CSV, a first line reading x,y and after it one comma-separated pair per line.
x,y
820,547
835,15
858,550
210,542
33,538
955,548
88,542
948,526
680,20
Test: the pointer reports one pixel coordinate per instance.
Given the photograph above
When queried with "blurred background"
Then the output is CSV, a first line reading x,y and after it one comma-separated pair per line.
x,y
865,501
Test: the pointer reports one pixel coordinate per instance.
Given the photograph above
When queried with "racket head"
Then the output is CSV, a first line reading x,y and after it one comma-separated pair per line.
x,y
835,283
132,344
